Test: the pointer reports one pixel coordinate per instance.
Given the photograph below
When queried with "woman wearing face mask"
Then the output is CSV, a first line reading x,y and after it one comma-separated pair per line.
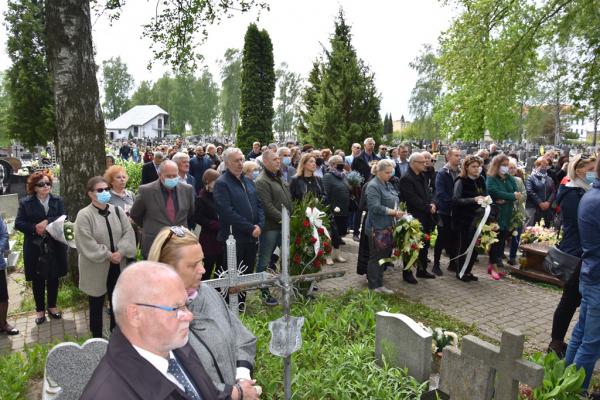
x,y
36,211
250,169
469,191
337,192
503,189
541,194
104,239
581,174
519,205
206,216
305,179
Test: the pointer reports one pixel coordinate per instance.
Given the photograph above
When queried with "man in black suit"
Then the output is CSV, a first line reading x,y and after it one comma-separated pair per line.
x,y
150,169
148,356
419,203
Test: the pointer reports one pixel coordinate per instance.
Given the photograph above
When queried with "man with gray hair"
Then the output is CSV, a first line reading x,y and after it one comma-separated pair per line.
x,y
183,164
150,169
164,202
287,170
148,356
239,209
362,163
419,204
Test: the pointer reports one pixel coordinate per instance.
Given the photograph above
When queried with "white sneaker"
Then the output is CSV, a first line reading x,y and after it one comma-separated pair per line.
x,y
384,290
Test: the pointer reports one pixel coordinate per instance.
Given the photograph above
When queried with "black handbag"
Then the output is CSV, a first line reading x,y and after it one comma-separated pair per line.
x,y
44,264
560,264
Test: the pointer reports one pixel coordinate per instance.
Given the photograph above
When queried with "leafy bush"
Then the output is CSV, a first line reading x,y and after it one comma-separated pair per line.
x,y
560,382
19,368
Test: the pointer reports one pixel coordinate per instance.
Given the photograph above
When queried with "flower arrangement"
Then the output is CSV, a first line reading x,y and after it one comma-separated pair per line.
x,y
408,238
309,238
354,179
441,338
489,236
539,234
69,231
62,230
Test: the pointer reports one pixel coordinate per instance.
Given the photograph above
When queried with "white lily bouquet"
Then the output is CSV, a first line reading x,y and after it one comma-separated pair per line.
x,y
63,231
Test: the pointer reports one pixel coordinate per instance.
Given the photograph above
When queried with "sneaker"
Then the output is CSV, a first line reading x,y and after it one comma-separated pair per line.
x,y
356,238
270,301
384,290
437,270
422,273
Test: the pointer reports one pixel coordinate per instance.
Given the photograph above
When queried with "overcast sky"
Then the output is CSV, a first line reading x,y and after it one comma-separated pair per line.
x,y
387,34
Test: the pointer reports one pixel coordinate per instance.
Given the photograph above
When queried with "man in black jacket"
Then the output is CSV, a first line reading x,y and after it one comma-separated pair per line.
x,y
148,355
362,163
150,169
419,204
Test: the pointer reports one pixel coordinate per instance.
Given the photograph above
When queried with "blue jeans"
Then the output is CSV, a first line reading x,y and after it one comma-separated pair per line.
x,y
584,346
269,240
514,243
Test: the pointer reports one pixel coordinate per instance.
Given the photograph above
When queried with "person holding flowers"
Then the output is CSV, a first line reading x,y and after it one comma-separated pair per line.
x,y
503,189
469,192
382,202
581,175
540,194
337,191
518,217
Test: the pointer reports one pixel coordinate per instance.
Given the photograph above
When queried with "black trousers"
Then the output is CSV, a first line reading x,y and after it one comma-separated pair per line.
x,y
465,235
497,249
447,239
41,287
570,300
3,286
211,264
97,303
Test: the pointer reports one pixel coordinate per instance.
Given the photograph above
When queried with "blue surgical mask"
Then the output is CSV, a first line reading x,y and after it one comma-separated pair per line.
x,y
590,177
287,161
254,174
103,197
170,183
503,169
543,170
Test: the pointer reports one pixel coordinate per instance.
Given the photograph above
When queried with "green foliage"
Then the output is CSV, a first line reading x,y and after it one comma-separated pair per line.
x,y
346,108
117,84
257,89
134,172
309,100
231,81
289,86
4,107
560,382
30,114
425,96
18,369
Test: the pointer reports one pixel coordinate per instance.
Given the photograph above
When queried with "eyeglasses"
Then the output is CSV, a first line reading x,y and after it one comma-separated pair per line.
x,y
180,312
178,231
43,184
100,190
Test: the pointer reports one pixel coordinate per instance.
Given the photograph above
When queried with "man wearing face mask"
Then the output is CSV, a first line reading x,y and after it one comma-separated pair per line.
x,y
287,170
165,202
541,194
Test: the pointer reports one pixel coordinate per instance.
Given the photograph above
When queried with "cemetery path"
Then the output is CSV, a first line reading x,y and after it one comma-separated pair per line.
x,y
490,305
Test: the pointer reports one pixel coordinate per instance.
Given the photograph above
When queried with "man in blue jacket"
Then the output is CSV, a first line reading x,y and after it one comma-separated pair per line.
x,y
584,346
198,165
444,185
239,209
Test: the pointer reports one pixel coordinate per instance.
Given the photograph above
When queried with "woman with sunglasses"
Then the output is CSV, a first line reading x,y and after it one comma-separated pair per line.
x,y
104,239
223,344
36,211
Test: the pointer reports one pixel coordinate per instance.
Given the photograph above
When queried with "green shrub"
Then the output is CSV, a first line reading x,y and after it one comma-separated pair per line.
x,y
560,382
18,369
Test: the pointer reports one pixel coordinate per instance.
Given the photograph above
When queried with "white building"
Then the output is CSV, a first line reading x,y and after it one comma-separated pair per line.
x,y
582,127
140,122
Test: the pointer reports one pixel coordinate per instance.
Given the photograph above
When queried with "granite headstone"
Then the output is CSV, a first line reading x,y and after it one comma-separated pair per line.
x,y
403,343
456,369
69,367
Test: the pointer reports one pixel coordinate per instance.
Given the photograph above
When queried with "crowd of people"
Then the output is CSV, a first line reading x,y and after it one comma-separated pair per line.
x,y
220,191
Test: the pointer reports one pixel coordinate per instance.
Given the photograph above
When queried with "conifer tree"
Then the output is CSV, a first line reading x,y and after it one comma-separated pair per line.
x,y
257,89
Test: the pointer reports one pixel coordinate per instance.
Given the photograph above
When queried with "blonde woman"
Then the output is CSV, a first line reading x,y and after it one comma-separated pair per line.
x,y
250,170
223,344
306,180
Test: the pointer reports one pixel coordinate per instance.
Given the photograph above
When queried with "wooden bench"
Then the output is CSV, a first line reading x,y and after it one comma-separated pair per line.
x,y
532,264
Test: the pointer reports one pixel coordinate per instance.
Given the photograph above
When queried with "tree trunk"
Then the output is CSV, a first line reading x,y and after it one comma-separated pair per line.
x,y
557,118
596,118
79,120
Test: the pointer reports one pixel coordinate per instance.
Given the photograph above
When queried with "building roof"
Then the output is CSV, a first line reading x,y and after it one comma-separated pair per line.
x,y
138,115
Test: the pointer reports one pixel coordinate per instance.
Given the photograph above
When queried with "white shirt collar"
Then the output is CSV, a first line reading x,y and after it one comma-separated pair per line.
x,y
160,363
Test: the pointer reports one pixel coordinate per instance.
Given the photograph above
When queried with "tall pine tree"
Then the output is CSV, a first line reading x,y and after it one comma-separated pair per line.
x,y
30,116
309,101
257,90
347,104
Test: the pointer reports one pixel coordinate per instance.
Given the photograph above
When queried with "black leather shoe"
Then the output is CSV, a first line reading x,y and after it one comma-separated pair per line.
x,y
58,315
40,320
9,330
422,273
409,277
437,270
472,277
465,278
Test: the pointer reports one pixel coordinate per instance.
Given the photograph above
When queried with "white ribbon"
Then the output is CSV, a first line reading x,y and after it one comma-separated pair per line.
x,y
314,216
486,204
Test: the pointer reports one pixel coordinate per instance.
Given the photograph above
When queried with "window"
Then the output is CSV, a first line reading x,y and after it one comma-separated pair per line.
x,y
160,123
135,130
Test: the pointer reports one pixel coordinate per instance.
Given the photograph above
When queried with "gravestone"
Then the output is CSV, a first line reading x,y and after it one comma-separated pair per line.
x,y
486,366
456,369
69,367
403,343
9,205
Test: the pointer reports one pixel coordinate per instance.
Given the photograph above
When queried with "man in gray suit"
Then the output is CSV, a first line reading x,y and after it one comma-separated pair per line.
x,y
165,202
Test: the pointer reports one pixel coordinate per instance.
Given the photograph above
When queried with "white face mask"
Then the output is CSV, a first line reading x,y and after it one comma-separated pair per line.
x,y
503,169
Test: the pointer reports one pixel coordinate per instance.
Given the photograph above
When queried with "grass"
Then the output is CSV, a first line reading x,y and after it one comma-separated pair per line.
x,y
69,296
336,360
